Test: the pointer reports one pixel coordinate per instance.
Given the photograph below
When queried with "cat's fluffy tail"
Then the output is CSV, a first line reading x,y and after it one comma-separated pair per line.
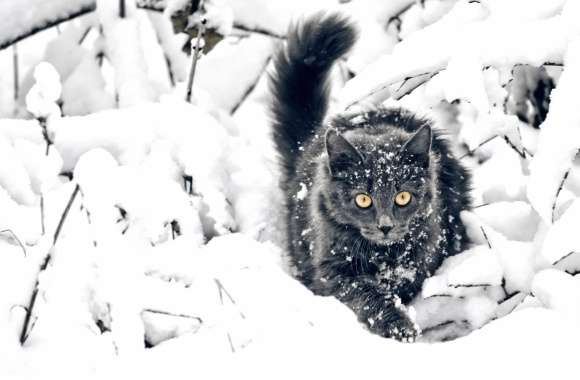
x,y
300,81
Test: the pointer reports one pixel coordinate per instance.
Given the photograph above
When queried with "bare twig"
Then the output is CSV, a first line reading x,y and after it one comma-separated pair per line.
x,y
485,237
471,151
48,258
15,238
122,10
564,257
160,40
410,84
522,154
397,16
84,35
231,343
42,225
44,125
152,5
175,229
196,51
469,285
463,323
173,314
251,88
49,24
16,76
386,86
65,213
264,32
222,290
558,193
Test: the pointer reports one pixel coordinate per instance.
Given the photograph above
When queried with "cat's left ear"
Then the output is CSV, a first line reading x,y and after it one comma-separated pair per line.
x,y
419,146
342,155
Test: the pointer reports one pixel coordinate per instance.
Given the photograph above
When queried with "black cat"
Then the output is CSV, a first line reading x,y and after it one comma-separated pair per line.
x,y
373,200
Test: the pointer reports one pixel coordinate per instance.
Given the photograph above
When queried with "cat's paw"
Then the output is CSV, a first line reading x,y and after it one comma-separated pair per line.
x,y
403,329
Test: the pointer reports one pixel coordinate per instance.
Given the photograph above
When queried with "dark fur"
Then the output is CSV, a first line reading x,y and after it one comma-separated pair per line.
x,y
373,259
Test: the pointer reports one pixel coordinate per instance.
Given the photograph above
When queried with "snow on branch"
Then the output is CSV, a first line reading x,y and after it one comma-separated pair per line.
x,y
559,138
28,322
22,19
125,52
25,18
472,29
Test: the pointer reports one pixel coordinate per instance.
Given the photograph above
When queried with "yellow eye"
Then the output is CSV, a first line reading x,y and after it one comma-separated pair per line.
x,y
403,198
363,200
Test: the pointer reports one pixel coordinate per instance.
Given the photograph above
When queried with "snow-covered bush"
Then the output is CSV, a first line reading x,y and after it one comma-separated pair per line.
x,y
140,233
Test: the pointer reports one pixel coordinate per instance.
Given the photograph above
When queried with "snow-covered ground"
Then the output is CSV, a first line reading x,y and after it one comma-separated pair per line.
x,y
146,231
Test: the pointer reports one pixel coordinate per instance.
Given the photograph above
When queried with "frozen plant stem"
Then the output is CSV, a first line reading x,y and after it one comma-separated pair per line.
x,y
122,12
43,125
564,178
222,290
177,315
485,237
25,330
16,75
42,228
65,213
471,151
196,52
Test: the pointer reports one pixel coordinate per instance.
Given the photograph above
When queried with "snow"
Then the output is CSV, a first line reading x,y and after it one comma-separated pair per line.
x,y
171,262
86,77
125,52
228,85
468,29
557,142
561,239
42,97
23,18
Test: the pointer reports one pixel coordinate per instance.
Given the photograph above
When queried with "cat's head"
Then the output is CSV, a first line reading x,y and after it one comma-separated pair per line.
x,y
380,183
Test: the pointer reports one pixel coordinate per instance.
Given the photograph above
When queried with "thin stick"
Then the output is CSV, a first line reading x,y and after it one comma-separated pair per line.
x,y
196,53
222,291
558,193
89,7
173,314
231,343
16,74
485,236
409,85
24,333
42,227
44,125
122,11
384,87
469,285
65,213
85,34
471,151
251,88
264,32
564,257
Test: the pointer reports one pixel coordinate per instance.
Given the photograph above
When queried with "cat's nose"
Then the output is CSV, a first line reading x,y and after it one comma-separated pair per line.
x,y
385,228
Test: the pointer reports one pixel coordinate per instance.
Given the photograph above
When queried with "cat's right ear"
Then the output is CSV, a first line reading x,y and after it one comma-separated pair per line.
x,y
342,156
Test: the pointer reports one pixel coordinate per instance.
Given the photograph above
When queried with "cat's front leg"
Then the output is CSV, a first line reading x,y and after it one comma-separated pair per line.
x,y
379,310
396,324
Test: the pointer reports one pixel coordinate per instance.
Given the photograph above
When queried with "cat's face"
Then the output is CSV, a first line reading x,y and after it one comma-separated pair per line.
x,y
379,184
